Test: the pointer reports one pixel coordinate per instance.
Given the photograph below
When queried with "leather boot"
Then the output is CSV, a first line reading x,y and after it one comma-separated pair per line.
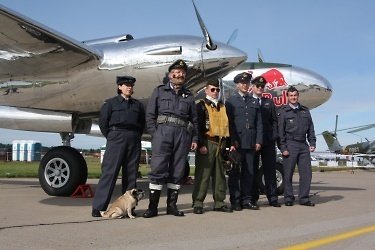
x,y
152,210
171,203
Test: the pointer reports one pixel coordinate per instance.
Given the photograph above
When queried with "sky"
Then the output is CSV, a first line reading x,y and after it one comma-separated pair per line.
x,y
335,39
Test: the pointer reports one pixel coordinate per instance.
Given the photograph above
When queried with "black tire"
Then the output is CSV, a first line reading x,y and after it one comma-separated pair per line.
x,y
61,171
279,179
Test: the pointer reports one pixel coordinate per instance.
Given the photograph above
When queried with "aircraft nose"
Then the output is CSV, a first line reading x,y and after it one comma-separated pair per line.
x,y
317,89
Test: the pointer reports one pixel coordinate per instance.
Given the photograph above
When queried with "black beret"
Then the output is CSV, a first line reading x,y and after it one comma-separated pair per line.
x,y
125,79
259,80
213,83
179,64
243,77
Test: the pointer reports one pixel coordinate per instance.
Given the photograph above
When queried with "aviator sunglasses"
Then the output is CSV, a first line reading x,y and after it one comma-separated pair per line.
x,y
260,86
215,89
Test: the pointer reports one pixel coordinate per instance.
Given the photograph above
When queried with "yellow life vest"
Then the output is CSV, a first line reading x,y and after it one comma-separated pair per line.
x,y
219,125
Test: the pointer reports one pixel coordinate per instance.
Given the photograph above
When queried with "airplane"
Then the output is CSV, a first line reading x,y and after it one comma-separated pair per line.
x,y
52,83
364,149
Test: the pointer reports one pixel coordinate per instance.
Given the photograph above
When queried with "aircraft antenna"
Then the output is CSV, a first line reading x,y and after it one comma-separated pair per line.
x,y
209,43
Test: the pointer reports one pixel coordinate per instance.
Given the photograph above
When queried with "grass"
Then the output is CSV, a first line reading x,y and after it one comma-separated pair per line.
x,y
15,169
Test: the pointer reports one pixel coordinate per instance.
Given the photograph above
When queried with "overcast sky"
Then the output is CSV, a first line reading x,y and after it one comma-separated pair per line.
x,y
335,38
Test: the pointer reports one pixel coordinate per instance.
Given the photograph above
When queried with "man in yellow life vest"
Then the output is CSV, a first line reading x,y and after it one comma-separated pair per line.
x,y
213,132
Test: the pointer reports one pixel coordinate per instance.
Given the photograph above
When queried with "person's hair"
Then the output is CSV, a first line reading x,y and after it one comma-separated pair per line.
x,y
291,89
119,92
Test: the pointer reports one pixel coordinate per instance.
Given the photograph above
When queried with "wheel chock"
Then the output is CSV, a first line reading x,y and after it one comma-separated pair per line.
x,y
83,191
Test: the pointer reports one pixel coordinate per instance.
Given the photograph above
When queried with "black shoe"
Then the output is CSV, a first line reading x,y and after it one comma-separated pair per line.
x,y
275,204
198,210
224,209
96,213
308,204
289,203
236,207
150,213
250,205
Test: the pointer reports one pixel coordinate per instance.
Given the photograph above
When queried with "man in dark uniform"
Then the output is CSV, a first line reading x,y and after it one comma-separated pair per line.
x,y
213,131
268,150
295,125
172,122
246,133
121,121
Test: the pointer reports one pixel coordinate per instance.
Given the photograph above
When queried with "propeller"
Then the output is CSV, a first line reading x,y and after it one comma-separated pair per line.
x,y
209,43
232,37
260,56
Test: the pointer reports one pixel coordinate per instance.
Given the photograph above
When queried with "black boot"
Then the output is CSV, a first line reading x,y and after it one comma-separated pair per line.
x,y
171,203
152,210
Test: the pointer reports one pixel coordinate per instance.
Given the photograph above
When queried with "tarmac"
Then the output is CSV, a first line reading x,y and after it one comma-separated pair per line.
x,y
345,202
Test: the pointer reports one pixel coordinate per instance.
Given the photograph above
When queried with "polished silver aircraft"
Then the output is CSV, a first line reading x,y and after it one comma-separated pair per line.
x,y
52,83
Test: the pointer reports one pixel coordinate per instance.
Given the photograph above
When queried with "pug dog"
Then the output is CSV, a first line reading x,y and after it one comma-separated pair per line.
x,y
124,204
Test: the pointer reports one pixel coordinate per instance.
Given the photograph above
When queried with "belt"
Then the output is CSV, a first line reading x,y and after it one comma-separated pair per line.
x,y
213,138
120,128
248,126
170,119
297,139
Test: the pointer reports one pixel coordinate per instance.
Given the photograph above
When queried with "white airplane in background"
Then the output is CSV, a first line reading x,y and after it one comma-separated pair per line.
x,y
52,83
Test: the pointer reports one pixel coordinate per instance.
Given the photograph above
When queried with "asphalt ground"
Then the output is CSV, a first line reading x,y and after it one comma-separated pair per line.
x,y
343,218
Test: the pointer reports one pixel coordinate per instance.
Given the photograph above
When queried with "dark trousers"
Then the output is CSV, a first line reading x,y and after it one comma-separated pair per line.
x,y
170,148
299,154
268,155
123,148
242,180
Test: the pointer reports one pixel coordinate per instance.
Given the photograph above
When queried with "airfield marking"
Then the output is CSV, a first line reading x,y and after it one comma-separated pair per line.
x,y
331,239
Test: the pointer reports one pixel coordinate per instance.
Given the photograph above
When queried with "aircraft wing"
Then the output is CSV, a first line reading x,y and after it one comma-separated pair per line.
x,y
28,48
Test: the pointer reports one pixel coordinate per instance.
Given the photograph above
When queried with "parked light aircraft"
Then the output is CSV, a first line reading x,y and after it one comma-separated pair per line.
x,y
363,149
367,147
52,83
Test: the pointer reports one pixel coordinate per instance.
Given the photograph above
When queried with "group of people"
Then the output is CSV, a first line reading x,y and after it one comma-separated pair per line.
x,y
247,124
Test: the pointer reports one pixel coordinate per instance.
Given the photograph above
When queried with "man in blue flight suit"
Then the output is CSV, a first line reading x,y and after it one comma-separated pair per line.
x,y
268,150
172,122
295,125
246,133
121,121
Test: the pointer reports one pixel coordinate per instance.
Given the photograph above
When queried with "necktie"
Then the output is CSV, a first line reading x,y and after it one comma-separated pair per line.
x,y
259,102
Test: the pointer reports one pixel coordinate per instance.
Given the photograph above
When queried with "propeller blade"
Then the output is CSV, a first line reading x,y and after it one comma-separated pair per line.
x,y
209,43
260,56
232,37
362,128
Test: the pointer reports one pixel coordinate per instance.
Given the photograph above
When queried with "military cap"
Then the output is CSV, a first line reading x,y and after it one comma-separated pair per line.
x,y
259,80
179,64
125,79
214,82
243,77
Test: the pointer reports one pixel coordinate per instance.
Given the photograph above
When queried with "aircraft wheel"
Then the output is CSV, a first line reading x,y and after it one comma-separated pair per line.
x,y
279,179
61,171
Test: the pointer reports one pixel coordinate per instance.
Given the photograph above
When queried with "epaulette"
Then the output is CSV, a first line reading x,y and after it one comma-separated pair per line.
x,y
303,107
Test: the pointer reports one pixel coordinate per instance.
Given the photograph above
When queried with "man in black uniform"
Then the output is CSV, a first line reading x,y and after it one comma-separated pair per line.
x,y
122,121
268,150
172,122
295,125
246,133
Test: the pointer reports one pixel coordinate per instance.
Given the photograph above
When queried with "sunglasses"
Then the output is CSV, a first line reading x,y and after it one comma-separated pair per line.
x,y
260,86
215,89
